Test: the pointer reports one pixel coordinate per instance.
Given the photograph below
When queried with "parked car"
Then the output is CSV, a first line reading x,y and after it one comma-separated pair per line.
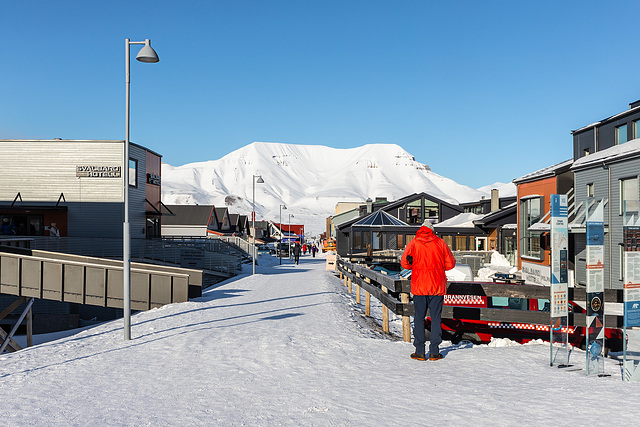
x,y
328,245
263,249
272,247
282,249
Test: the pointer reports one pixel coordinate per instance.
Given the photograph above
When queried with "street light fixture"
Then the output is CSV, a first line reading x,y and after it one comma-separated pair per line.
x,y
146,54
281,231
253,234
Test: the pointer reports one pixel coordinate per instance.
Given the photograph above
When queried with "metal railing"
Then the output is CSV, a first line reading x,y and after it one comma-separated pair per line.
x,y
201,253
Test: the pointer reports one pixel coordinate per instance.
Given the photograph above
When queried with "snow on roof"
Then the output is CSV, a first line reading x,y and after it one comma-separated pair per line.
x,y
548,171
627,149
463,220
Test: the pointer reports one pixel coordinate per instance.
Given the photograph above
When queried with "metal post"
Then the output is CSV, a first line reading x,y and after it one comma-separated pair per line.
x,y
148,55
281,234
280,245
253,233
126,243
290,252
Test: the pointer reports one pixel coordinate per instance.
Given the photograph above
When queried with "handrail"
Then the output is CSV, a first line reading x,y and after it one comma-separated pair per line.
x,y
85,264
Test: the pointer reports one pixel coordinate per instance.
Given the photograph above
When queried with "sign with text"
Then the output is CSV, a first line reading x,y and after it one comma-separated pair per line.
x,y
595,286
559,249
631,283
559,297
98,171
535,273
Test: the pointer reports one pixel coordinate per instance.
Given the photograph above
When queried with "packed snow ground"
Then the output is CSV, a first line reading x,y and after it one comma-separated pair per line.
x,y
289,346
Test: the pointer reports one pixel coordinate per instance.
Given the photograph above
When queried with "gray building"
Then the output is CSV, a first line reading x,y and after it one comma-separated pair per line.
x,y
606,167
78,185
610,175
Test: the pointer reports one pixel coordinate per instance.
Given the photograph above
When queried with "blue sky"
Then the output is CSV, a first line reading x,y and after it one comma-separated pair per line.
x,y
480,91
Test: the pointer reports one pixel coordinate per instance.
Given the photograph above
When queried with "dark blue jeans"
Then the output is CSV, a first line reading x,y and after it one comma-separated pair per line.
x,y
434,304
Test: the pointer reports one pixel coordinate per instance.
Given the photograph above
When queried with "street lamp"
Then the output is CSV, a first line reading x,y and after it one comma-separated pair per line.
x,y
253,234
281,231
146,54
290,254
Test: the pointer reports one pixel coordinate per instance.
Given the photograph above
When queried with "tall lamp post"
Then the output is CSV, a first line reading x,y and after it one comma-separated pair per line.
x,y
281,231
290,254
253,233
146,54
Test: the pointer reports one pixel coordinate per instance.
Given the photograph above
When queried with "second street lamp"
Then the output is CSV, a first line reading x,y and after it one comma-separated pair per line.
x,y
253,233
290,254
281,231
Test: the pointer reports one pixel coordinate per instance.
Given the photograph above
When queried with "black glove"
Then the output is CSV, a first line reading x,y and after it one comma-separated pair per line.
x,y
410,259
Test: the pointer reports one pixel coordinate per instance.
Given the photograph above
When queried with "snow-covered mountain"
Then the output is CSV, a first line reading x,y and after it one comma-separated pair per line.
x,y
308,179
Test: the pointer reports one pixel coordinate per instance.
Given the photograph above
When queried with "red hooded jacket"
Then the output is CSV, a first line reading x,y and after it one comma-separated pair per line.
x,y
431,258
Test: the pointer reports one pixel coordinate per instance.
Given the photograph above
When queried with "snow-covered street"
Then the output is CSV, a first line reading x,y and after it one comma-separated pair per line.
x,y
288,346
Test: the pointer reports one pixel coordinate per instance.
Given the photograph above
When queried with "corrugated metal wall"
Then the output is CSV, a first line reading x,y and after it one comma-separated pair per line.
x,y
599,176
42,170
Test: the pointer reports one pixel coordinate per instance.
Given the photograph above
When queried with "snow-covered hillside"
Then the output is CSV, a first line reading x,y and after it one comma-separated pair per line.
x,y
308,179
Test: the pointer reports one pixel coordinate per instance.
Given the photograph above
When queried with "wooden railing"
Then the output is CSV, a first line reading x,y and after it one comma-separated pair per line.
x,y
395,295
93,281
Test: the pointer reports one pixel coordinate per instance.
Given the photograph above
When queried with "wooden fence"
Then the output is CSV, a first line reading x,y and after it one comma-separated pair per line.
x,y
394,294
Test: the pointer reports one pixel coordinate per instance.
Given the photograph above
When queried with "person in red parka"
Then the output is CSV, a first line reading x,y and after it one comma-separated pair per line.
x,y
428,257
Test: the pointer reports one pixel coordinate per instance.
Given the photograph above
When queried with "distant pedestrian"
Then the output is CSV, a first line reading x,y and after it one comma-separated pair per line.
x,y
304,248
428,257
8,227
53,230
368,259
296,252
314,249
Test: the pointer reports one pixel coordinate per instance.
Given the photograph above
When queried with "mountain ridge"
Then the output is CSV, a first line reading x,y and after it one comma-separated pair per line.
x,y
309,179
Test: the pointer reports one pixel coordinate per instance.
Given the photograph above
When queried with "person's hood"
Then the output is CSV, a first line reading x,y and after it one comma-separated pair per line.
x,y
425,234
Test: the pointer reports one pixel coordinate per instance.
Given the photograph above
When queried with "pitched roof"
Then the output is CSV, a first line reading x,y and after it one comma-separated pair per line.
x,y
545,172
628,149
463,220
380,218
188,215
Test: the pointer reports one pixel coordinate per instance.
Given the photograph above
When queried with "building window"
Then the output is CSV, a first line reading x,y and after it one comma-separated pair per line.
x,y
357,240
431,209
590,190
461,243
629,194
530,213
586,151
476,209
636,129
133,173
449,241
377,240
621,134
414,212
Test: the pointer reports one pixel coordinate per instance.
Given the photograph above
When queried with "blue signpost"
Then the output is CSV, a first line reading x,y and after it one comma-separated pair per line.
x,y
595,287
559,317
